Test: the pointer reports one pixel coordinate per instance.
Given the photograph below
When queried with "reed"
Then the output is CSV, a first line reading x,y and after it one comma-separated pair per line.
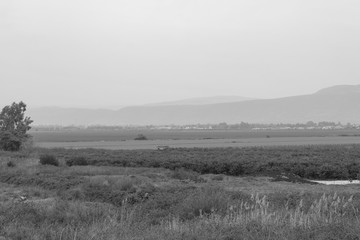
x,y
328,209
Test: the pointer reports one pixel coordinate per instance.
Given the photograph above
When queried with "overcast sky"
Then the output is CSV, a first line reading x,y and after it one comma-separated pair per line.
x,y
122,52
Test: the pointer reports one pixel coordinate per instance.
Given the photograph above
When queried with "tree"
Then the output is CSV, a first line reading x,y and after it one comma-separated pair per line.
x,y
13,126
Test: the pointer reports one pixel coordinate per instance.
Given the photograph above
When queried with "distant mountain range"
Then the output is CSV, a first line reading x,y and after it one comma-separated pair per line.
x,y
204,101
338,103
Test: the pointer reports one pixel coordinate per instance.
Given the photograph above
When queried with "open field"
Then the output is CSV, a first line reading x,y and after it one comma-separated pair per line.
x,y
111,202
123,134
203,143
124,139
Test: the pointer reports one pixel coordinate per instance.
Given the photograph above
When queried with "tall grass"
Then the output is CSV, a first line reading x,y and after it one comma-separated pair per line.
x,y
329,210
256,218
65,220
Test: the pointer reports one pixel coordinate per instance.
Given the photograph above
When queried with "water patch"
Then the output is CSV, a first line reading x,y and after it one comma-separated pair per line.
x,y
337,182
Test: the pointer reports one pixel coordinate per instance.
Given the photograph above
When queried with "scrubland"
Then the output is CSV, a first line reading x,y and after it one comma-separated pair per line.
x,y
164,195
313,161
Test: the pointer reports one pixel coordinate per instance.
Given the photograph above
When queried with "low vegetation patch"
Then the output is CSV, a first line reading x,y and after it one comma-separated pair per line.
x,y
77,161
183,174
203,202
48,159
47,181
10,164
141,137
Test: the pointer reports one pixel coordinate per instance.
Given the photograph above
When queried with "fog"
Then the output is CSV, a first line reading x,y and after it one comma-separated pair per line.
x,y
112,53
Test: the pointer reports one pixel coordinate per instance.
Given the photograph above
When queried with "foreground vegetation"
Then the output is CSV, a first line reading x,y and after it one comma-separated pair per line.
x,y
42,197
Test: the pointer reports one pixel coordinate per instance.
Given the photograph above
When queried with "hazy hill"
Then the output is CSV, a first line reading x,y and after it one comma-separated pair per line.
x,y
204,101
339,103
341,89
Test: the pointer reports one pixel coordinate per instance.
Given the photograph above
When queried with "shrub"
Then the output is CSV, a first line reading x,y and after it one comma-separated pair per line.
x,y
141,137
236,169
49,160
77,161
10,164
328,171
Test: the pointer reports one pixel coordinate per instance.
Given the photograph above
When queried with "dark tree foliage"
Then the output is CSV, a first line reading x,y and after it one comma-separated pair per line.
x,y
13,126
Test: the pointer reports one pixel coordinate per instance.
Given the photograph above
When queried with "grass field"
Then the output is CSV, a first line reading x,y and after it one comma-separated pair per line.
x,y
124,139
213,193
113,202
203,143
123,135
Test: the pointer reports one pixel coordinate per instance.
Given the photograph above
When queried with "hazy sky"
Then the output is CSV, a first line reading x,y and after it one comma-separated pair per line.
x,y
121,52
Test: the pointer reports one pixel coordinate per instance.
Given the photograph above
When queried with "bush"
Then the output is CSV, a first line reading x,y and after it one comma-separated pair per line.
x,y
141,137
77,161
49,160
236,169
10,164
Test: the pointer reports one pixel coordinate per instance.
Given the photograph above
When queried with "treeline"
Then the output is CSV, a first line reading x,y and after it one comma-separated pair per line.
x,y
219,126
308,124
312,162
251,126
